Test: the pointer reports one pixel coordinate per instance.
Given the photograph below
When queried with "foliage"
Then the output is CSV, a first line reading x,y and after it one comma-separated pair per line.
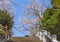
x,y
6,19
51,19
26,35
2,33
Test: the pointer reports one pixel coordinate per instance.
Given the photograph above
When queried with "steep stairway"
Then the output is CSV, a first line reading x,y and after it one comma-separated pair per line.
x,y
26,39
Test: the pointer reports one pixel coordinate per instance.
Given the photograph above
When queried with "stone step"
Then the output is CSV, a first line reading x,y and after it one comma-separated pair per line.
x,y
25,39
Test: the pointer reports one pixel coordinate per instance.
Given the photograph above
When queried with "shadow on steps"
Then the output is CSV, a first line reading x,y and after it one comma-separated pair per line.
x,y
25,39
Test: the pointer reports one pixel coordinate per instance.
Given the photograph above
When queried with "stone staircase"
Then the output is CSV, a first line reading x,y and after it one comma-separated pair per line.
x,y
25,39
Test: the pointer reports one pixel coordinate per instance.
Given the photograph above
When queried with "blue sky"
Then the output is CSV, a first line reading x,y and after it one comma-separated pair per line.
x,y
19,15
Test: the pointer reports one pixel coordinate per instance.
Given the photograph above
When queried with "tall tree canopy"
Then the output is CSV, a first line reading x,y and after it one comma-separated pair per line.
x,y
51,21
6,19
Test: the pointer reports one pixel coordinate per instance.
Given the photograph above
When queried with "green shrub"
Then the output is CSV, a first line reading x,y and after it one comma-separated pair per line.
x,y
26,35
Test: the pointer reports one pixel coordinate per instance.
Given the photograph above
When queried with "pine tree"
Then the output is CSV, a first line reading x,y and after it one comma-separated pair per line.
x,y
51,21
6,19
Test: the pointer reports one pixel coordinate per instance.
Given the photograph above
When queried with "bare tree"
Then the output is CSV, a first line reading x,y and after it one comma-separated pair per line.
x,y
33,15
5,5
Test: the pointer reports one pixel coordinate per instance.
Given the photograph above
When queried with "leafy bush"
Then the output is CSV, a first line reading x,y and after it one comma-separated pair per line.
x,y
26,35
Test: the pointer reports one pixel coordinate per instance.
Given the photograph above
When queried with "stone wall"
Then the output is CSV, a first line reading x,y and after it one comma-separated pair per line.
x,y
46,36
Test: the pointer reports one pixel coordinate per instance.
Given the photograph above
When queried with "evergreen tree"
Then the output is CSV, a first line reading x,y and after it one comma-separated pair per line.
x,y
6,19
51,21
